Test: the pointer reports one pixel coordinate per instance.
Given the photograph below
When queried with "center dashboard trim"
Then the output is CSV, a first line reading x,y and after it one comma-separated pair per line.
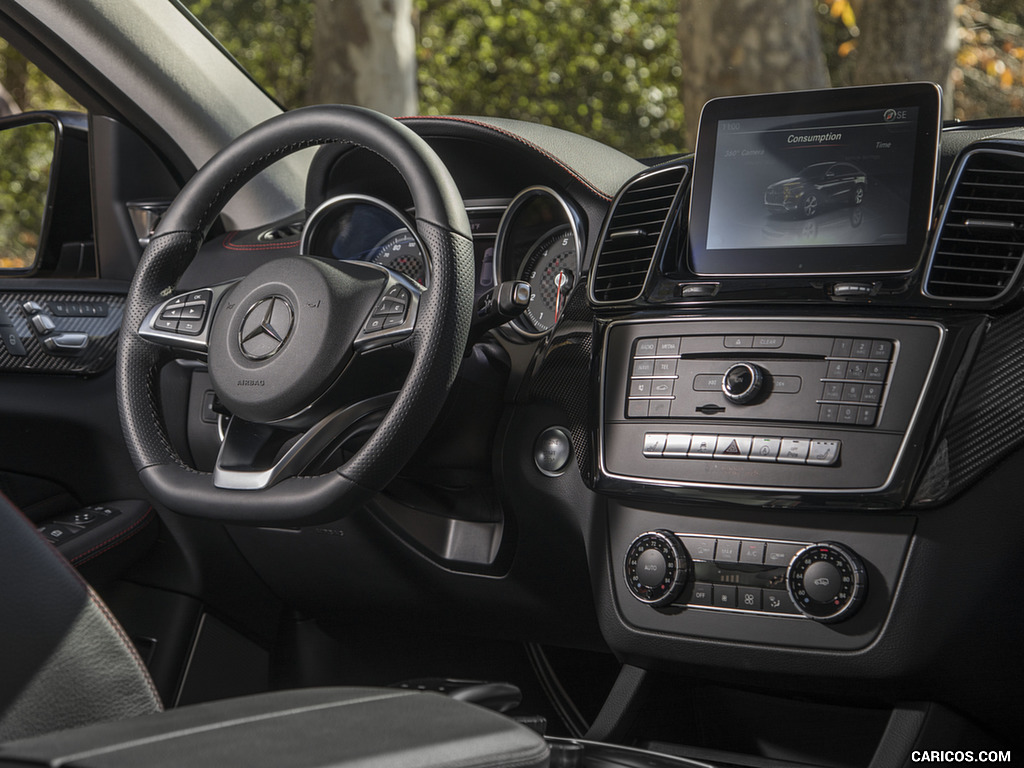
x,y
604,471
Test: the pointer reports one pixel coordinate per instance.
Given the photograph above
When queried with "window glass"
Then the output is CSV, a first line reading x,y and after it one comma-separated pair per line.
x,y
24,87
26,154
619,70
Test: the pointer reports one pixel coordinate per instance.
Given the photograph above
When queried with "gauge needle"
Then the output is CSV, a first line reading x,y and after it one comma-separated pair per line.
x,y
560,281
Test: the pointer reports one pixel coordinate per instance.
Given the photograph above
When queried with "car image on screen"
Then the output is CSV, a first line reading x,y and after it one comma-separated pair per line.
x,y
816,186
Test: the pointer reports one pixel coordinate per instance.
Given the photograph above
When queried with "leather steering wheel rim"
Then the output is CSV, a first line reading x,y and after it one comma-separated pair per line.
x,y
437,343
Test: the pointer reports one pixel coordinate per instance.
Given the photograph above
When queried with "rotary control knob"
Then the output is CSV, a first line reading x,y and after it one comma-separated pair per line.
x,y
742,383
657,568
826,582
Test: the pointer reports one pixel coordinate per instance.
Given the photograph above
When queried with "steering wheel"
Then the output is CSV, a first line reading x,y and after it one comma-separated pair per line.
x,y
278,341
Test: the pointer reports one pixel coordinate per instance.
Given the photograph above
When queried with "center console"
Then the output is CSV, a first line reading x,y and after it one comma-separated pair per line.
x,y
773,389
776,406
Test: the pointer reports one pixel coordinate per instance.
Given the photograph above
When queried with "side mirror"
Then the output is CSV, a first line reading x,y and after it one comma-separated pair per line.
x,y
26,157
43,168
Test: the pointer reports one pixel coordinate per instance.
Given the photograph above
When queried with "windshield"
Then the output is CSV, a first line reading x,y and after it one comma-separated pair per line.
x,y
633,75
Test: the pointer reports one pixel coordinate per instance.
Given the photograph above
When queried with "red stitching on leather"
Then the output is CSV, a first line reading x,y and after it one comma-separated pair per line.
x,y
125,640
521,140
95,600
118,538
258,246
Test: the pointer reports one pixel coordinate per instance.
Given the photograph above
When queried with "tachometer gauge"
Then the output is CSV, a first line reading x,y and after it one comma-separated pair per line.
x,y
548,268
540,242
400,252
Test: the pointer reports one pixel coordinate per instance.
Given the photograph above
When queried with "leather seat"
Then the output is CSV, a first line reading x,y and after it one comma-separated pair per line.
x,y
64,659
66,662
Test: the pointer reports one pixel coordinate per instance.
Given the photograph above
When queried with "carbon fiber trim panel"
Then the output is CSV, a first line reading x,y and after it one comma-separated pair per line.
x,y
987,422
563,375
97,357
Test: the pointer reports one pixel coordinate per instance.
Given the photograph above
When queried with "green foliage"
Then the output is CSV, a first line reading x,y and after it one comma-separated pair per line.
x,y
839,33
988,75
27,151
1007,10
272,39
606,69
28,86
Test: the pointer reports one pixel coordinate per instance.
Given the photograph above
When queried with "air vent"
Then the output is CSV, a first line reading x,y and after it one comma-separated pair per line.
x,y
285,231
632,235
980,246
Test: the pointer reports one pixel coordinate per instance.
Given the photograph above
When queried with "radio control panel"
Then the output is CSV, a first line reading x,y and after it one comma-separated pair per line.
x,y
817,406
804,378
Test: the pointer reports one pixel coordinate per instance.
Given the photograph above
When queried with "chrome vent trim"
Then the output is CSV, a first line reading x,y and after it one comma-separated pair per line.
x,y
634,233
979,250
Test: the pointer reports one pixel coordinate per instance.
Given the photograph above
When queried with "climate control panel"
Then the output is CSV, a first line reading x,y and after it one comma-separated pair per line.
x,y
823,581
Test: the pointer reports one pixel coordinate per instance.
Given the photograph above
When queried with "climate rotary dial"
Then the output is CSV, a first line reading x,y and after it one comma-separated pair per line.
x,y
657,568
827,582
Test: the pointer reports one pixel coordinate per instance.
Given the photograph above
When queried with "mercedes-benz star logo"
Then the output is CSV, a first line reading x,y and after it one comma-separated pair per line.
x,y
266,327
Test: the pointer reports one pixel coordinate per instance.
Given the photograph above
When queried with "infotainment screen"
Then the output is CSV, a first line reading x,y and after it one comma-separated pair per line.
x,y
827,182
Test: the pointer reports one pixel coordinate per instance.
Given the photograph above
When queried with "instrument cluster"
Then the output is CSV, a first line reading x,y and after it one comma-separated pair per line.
x,y
537,240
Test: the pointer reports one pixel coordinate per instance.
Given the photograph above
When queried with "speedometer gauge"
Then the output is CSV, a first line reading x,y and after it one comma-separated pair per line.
x,y
400,252
363,228
548,268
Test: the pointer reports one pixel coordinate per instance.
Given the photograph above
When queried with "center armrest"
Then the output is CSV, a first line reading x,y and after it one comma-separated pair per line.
x,y
322,727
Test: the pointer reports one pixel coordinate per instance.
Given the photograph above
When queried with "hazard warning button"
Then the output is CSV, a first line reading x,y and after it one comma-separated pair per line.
x,y
732,447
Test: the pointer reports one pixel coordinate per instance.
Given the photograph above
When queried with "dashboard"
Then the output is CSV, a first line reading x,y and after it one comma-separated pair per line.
x,y
773,447
712,431
731,434
802,388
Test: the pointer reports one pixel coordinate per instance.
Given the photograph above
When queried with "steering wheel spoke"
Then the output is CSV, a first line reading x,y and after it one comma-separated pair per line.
x,y
253,457
393,317
183,321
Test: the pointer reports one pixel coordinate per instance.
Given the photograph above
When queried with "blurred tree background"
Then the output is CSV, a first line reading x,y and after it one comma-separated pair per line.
x,y
27,151
608,69
612,69
24,87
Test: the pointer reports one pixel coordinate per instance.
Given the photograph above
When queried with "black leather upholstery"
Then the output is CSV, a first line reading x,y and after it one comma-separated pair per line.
x,y
322,727
64,660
